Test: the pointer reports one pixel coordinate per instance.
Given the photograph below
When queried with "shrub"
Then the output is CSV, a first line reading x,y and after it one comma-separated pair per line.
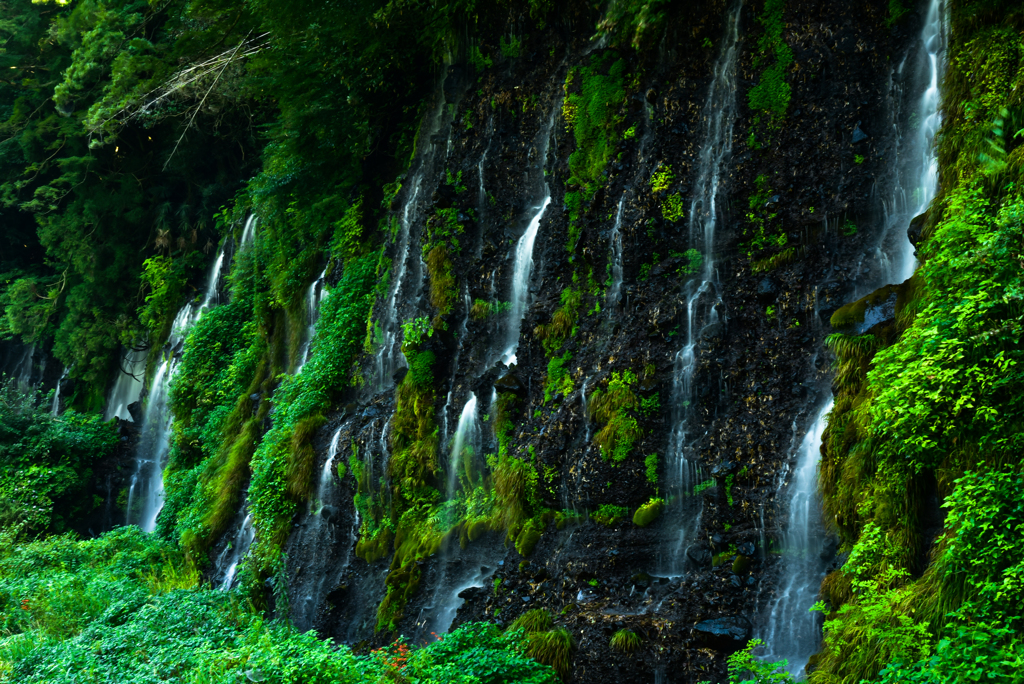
x,y
609,514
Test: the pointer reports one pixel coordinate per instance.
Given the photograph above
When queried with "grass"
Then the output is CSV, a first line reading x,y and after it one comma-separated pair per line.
x,y
624,641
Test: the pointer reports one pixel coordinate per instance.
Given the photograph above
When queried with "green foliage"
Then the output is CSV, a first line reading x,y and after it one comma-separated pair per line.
x,y
624,641
771,95
691,264
117,608
774,261
662,178
745,668
46,463
615,407
650,406
634,21
536,620
609,514
282,463
928,403
759,228
896,12
672,208
651,468
553,648
563,321
559,379
482,309
511,48
595,94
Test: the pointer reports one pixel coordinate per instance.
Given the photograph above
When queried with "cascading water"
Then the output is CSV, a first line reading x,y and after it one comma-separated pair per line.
x,y
235,552
703,297
389,356
467,569
55,404
146,492
523,265
319,533
248,232
793,632
612,302
23,368
314,297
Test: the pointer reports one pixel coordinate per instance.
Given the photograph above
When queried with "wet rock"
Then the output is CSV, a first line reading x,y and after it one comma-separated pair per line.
x,y
399,375
727,634
735,581
858,134
651,96
330,515
135,411
767,290
746,548
828,549
509,382
699,556
916,228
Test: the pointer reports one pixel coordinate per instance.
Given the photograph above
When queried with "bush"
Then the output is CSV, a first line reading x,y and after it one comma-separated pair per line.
x,y
624,641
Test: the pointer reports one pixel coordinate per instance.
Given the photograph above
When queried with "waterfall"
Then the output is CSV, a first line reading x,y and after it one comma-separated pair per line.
x,y
127,386
235,552
793,631
467,436
523,266
55,404
314,296
248,232
23,368
319,533
389,356
612,302
146,491
702,297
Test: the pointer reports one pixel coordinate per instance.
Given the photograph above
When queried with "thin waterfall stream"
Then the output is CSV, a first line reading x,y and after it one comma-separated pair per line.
x,y
791,632
702,297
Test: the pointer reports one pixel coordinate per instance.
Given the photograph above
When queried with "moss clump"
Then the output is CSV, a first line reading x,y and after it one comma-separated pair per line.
x,y
593,113
672,208
536,620
648,513
563,321
558,380
775,261
615,408
609,514
553,648
624,641
528,537
853,313
771,96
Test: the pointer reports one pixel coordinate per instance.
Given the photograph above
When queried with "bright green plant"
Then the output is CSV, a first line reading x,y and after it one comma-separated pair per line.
x,y
624,641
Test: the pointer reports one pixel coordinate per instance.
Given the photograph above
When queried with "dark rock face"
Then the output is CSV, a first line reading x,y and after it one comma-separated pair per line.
x,y
727,634
757,377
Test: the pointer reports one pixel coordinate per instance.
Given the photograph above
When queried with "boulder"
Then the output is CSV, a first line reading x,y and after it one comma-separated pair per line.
x,y
916,228
135,411
728,634
767,290
858,134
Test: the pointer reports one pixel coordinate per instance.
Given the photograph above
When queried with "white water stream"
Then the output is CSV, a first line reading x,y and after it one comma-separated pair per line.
x,y
522,268
702,294
612,301
792,633
128,385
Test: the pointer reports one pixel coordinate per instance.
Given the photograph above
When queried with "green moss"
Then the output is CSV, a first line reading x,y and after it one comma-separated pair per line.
x,y
563,321
553,648
624,641
593,113
771,95
651,466
559,379
536,620
786,256
648,513
609,514
614,407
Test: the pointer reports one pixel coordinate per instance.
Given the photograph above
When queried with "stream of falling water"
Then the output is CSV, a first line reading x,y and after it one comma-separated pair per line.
x,y
314,297
389,357
791,632
55,404
702,296
128,385
612,302
146,491
466,569
522,268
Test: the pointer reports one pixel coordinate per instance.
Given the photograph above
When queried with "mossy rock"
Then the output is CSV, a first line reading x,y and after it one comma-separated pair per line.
x,y
741,566
865,313
648,513
527,539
